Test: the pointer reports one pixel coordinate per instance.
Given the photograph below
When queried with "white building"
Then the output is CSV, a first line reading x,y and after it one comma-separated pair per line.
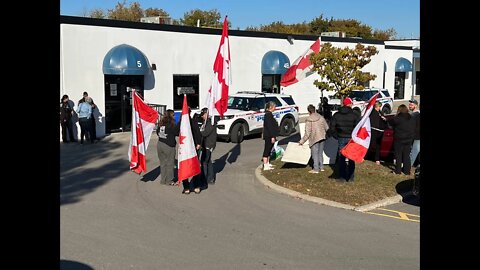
x,y
106,57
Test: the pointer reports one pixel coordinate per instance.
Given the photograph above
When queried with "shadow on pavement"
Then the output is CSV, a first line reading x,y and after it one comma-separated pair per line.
x,y
405,187
151,175
230,157
84,168
72,265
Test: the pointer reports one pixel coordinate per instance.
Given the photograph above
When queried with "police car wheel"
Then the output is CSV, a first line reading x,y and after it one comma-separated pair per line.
x,y
286,127
237,133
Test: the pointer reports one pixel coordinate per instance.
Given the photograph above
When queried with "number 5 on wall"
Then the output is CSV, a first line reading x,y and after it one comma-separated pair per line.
x,y
139,64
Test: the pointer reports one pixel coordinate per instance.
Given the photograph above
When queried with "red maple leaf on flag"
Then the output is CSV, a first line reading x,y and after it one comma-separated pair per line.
x,y
362,133
181,138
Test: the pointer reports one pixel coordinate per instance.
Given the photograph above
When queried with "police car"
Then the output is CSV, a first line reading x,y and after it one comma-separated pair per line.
x,y
360,100
246,111
361,97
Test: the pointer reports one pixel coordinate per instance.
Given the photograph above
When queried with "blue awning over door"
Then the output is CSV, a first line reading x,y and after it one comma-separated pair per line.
x,y
275,62
403,65
125,60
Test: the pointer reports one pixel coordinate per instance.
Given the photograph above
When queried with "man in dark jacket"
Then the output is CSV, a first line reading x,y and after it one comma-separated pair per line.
x,y
66,111
342,124
209,141
415,113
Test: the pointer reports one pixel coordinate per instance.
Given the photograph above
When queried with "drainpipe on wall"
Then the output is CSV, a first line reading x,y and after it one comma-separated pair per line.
x,y
413,71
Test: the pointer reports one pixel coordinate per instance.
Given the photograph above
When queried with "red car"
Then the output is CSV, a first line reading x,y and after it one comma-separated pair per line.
x,y
386,148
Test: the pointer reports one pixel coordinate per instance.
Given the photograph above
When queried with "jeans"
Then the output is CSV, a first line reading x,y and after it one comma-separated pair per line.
x,y
415,150
317,155
207,165
344,169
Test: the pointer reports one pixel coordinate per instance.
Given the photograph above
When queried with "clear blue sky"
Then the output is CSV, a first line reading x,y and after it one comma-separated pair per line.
x,y
402,15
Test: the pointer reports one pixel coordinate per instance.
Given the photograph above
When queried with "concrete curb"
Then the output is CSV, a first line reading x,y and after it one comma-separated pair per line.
x,y
295,194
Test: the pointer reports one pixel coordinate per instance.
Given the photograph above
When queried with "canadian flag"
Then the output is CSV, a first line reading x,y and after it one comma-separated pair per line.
x,y
357,147
222,79
188,164
301,67
143,123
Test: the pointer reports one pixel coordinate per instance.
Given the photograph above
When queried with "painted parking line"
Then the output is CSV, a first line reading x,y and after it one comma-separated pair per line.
x,y
396,214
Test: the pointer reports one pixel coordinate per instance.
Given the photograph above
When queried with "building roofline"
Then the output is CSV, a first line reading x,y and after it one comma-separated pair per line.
x,y
203,30
397,47
408,39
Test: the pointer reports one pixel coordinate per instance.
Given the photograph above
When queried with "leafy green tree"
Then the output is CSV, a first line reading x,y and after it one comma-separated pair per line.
x,y
121,12
318,25
97,13
211,18
280,27
340,68
153,12
352,28
385,34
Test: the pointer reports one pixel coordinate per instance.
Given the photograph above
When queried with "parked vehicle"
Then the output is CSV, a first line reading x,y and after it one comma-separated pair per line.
x,y
246,111
360,99
386,147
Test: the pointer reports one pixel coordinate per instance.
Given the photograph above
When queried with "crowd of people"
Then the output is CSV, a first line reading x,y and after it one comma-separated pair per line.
x,y
406,138
85,115
204,134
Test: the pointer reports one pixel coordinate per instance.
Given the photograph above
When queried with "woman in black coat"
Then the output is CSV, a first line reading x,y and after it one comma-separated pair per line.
x,y
403,133
270,132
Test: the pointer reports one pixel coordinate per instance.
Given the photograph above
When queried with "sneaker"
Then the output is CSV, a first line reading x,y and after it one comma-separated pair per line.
x,y
377,162
266,167
322,170
312,171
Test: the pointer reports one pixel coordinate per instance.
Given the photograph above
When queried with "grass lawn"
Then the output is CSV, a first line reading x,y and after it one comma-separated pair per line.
x,y
372,182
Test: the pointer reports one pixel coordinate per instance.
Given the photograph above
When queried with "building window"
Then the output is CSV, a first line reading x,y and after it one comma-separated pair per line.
x,y
399,85
189,82
271,83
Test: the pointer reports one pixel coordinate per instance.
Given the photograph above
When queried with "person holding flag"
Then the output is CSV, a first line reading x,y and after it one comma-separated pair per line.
x,y
188,164
143,123
209,141
357,147
341,126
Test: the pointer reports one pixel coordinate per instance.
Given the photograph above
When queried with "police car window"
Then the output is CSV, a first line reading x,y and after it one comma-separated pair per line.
x,y
361,95
385,93
258,104
358,95
274,99
289,100
240,103
368,95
